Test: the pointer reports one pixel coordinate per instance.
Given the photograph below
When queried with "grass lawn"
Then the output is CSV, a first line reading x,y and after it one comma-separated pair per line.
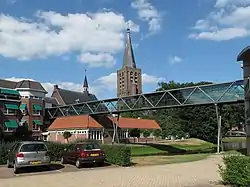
x,y
146,150
159,160
172,147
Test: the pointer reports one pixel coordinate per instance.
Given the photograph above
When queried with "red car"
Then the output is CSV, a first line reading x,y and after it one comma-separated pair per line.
x,y
83,153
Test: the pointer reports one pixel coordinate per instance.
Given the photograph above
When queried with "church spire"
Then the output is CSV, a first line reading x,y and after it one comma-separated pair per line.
x,y
128,56
85,84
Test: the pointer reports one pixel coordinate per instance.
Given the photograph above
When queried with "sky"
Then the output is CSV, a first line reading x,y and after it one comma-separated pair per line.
x,y
53,42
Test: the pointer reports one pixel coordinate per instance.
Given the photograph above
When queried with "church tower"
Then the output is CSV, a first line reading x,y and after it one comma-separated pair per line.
x,y
85,83
129,78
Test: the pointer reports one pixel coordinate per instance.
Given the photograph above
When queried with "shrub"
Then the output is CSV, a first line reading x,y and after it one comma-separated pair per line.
x,y
118,154
236,170
4,147
56,150
115,154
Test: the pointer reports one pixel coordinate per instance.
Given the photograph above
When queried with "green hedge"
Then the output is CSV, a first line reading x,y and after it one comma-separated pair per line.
x,y
118,154
236,170
115,154
4,152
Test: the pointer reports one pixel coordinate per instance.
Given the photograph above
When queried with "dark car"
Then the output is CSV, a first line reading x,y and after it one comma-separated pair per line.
x,y
83,153
28,154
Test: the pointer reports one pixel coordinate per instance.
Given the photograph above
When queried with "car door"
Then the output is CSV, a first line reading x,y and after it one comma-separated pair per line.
x,y
66,154
74,153
70,153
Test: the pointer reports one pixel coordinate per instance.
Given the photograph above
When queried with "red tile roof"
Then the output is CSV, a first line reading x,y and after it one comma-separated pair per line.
x,y
74,122
130,123
85,121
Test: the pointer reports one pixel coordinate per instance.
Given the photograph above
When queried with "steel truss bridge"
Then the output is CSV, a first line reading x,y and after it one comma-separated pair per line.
x,y
229,92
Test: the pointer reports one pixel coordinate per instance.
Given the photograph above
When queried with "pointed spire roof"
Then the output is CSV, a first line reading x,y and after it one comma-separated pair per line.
x,y
128,56
85,83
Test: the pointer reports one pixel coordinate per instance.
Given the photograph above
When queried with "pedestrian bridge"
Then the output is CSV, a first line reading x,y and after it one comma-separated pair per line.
x,y
228,92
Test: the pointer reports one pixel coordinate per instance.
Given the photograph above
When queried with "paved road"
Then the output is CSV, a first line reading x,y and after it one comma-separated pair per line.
x,y
192,174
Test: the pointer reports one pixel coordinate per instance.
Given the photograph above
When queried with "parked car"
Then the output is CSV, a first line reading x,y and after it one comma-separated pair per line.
x,y
28,154
83,153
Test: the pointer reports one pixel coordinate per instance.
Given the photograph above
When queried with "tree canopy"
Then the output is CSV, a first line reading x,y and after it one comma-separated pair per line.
x,y
196,121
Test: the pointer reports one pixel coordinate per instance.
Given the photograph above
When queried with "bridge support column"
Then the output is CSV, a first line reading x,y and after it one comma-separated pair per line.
x,y
115,129
244,56
219,137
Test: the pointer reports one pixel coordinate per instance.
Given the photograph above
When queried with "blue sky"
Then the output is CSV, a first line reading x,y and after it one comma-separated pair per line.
x,y
53,42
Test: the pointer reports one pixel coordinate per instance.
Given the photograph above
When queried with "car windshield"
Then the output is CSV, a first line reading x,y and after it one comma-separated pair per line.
x,y
33,148
90,146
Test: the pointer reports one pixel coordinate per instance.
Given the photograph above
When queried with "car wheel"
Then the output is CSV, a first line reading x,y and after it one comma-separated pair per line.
x,y
78,163
15,169
8,164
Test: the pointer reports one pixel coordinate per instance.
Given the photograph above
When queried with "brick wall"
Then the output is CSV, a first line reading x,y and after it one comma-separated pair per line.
x,y
29,117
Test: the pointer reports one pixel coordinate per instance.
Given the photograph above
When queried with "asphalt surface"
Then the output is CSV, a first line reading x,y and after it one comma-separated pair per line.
x,y
55,168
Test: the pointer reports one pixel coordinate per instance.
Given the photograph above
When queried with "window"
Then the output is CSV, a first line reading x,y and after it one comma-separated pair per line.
x,y
37,109
89,146
10,125
10,109
10,112
33,147
36,125
95,135
8,129
36,112
23,109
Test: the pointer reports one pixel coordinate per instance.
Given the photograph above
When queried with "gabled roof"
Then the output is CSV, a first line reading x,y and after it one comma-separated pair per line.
x,y
51,100
22,84
30,84
128,56
86,121
74,122
7,84
130,123
70,97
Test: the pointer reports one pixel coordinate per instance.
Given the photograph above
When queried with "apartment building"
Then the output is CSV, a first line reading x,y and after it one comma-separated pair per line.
x,y
27,109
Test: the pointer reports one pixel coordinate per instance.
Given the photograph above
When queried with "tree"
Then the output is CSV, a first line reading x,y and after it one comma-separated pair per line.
x,y
196,121
157,133
135,133
67,135
22,133
146,133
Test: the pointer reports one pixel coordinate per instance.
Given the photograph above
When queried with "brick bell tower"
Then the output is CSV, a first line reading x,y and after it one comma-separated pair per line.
x,y
129,78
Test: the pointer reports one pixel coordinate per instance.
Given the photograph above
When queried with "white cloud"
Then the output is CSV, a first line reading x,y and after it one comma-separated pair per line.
x,y
98,87
147,12
51,33
228,20
175,60
97,60
223,3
